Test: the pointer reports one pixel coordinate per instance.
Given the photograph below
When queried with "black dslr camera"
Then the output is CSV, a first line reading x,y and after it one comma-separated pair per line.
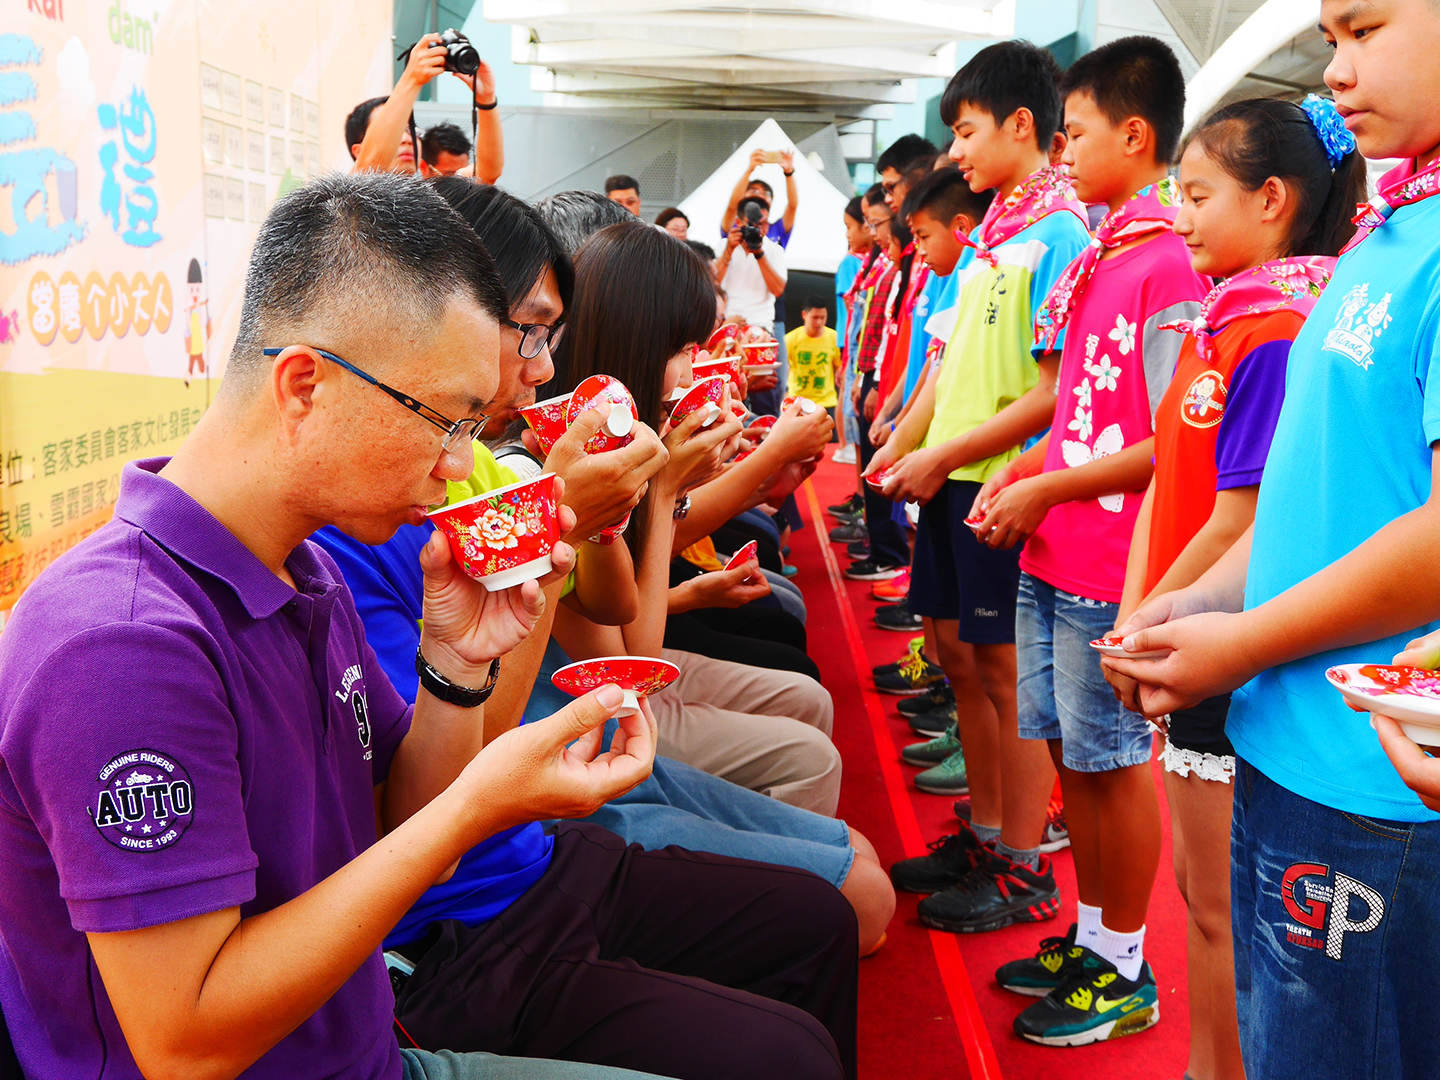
x,y
750,234
460,56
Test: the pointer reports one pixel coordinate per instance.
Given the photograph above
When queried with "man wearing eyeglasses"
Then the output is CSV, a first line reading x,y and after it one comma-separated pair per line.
x,y
198,749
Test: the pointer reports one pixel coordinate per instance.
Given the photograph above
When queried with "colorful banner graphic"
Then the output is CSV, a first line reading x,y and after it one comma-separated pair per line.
x,y
141,144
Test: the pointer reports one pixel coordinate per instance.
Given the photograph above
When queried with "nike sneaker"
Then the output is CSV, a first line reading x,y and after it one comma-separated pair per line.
x,y
897,588
934,751
1059,960
912,649
1093,1007
947,778
914,676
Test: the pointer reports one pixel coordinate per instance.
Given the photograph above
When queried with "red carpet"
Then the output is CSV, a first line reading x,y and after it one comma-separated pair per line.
x,y
928,1004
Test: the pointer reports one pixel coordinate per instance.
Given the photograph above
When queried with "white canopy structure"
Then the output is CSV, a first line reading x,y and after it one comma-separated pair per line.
x,y
842,56
1277,33
818,241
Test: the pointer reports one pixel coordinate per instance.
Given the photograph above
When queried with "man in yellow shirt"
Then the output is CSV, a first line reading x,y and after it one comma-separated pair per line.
x,y
814,356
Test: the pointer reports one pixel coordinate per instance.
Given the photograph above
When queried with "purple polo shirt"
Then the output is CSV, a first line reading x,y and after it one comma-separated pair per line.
x,y
181,732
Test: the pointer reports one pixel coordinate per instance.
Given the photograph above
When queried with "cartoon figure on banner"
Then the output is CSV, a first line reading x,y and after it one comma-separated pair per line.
x,y
196,335
9,327
136,123
40,225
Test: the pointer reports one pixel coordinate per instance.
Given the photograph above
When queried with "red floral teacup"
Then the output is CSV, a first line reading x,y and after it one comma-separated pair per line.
x,y
707,395
503,537
547,419
761,352
806,405
619,426
728,367
722,334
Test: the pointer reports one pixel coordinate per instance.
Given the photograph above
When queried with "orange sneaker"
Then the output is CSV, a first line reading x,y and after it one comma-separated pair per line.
x,y
897,588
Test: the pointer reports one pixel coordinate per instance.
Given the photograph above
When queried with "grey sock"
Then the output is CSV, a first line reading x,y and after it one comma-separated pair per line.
x,y
1029,859
986,832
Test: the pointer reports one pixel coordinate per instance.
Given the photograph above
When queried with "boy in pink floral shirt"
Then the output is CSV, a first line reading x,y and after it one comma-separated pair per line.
x,y
1075,496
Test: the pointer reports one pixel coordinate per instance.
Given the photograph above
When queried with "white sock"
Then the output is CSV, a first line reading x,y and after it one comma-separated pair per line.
x,y
1089,925
1125,951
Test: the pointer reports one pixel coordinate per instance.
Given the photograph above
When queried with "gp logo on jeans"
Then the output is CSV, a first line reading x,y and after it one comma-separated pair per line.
x,y
1321,904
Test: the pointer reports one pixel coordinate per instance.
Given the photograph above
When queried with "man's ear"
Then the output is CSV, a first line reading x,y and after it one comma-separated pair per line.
x,y
355,151
295,376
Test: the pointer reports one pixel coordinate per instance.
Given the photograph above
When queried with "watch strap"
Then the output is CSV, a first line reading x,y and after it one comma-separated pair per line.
x,y
439,686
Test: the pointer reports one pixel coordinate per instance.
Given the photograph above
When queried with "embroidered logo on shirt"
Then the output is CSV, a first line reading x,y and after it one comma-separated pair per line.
x,y
1324,911
358,704
145,801
1358,324
1204,402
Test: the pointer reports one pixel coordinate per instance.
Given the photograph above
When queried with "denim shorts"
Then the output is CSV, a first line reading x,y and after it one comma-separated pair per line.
x,y
1062,692
1335,938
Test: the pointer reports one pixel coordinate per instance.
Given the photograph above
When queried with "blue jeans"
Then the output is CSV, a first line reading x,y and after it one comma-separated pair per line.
x,y
443,1065
1336,947
1061,690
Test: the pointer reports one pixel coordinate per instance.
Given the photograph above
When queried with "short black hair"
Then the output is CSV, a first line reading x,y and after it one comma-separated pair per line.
x,y
812,302
757,182
705,251
514,233
874,195
756,199
332,253
1006,77
621,182
855,209
443,137
359,120
1134,76
906,152
669,214
944,194
573,216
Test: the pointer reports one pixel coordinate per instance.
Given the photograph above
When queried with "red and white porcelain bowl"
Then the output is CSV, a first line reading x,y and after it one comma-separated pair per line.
x,y
729,367
761,352
618,429
728,332
806,405
547,419
708,395
749,553
504,537
877,480
637,676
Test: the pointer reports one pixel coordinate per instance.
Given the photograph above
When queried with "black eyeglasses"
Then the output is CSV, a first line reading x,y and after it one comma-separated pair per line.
x,y
455,430
535,336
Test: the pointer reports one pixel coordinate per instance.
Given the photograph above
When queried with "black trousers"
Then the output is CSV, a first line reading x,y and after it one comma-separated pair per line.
x,y
888,546
672,962
760,637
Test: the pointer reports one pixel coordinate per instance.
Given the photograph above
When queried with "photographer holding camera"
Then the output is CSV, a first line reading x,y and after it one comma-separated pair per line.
x,y
752,269
378,131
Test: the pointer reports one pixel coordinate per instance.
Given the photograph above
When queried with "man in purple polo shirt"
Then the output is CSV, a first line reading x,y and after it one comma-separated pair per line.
x,y
195,740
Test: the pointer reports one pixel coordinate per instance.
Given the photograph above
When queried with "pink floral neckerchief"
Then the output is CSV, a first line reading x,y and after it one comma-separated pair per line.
x,y
1399,187
1149,210
1273,286
1045,191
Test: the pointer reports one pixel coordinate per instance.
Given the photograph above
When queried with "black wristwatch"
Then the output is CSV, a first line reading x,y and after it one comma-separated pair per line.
x,y
452,693
487,108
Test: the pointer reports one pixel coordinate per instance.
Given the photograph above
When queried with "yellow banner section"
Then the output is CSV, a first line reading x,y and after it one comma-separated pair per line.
x,y
140,148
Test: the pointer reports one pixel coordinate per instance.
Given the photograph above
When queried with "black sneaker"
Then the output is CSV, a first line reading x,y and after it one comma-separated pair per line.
x,y
898,617
935,721
1092,1007
914,676
996,893
951,858
870,570
916,645
844,534
851,507
934,698
1058,961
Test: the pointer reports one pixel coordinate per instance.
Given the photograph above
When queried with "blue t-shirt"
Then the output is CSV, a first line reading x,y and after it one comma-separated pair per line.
x,y
931,299
388,587
845,275
1351,453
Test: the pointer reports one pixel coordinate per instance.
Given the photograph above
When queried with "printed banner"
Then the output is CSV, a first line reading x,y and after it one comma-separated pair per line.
x,y
141,144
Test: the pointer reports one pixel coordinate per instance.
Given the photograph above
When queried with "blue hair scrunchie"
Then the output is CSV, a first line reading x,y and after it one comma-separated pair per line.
x,y
1334,136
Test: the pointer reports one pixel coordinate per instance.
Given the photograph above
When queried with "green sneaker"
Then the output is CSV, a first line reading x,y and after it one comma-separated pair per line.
x,y
1093,1007
935,751
947,778
1058,961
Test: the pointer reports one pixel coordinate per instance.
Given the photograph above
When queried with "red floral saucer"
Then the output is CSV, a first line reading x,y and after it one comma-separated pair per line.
x,y
1409,695
877,480
1109,645
638,676
746,554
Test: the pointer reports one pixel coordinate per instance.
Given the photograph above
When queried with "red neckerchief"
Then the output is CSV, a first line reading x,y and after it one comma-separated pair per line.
x,y
1273,286
1149,210
1043,192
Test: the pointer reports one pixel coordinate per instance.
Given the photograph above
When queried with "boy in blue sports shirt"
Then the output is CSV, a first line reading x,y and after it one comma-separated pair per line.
x,y
1335,862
